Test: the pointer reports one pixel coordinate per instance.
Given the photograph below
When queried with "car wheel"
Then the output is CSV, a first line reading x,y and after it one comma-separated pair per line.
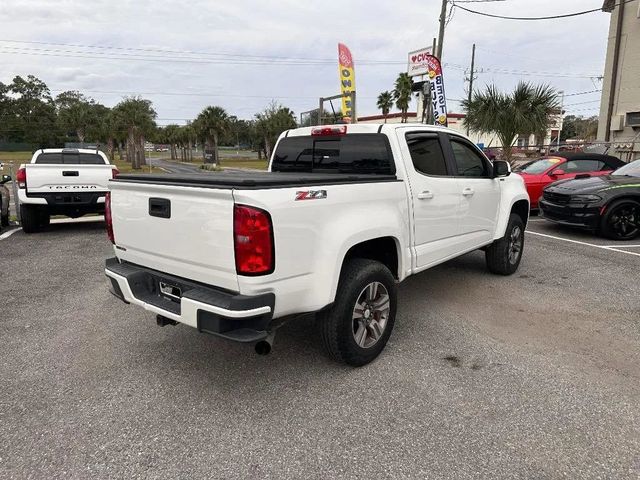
x,y
621,220
358,325
503,256
30,218
45,219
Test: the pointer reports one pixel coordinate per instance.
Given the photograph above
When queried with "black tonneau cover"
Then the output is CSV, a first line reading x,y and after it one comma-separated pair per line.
x,y
253,180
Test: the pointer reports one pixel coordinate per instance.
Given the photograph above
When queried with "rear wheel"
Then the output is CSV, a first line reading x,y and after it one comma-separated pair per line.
x,y
356,329
31,218
621,220
503,256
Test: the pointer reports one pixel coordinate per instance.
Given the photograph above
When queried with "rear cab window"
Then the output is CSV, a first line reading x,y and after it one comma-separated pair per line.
x,y
358,153
69,158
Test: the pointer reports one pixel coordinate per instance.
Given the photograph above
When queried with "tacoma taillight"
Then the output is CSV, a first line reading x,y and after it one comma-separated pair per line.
x,y
21,177
114,172
107,217
253,241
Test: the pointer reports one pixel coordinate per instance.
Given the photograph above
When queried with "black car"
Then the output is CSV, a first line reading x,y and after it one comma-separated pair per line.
x,y
609,205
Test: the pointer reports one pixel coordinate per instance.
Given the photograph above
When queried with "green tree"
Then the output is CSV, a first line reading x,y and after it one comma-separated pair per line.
x,y
385,103
402,94
579,127
135,117
33,115
210,125
527,110
76,114
271,122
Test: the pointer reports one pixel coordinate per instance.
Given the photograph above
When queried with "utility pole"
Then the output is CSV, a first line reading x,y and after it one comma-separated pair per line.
x,y
561,92
473,61
443,19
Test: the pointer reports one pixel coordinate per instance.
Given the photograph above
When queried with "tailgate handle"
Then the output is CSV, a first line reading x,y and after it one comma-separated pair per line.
x,y
70,173
160,207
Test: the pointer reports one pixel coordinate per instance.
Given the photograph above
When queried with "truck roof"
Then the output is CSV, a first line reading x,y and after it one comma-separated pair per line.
x,y
373,128
66,150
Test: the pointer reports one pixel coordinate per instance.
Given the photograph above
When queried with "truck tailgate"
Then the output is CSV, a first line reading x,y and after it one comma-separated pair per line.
x,y
184,231
55,178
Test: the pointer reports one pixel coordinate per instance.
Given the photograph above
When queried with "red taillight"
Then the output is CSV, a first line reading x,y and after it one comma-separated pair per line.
x,y
114,172
107,217
21,177
253,241
329,131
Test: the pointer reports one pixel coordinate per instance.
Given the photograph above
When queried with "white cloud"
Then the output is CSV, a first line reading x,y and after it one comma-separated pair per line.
x,y
374,30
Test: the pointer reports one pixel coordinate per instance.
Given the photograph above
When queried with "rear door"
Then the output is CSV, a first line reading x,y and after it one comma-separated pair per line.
x,y
479,193
435,195
60,172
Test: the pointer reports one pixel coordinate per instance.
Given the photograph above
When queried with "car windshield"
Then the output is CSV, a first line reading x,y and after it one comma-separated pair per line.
x,y
541,165
630,170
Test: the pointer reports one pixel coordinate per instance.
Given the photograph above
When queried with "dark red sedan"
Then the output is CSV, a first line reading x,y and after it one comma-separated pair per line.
x,y
562,166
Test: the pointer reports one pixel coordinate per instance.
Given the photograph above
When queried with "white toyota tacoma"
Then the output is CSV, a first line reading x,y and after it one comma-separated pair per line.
x,y
71,182
343,215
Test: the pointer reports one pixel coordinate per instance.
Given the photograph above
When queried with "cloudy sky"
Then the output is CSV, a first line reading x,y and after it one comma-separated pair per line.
x,y
241,54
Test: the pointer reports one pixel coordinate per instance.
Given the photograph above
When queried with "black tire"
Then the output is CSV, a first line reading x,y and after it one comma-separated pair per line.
x,y
337,325
503,256
621,220
45,219
30,218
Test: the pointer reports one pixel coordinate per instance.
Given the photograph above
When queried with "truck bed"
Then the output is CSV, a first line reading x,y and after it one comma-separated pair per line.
x,y
253,180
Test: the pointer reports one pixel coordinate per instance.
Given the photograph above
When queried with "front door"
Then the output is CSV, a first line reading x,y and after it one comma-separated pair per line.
x,y
480,193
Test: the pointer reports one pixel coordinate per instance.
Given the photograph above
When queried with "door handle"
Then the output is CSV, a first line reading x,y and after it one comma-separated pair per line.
x,y
467,192
426,195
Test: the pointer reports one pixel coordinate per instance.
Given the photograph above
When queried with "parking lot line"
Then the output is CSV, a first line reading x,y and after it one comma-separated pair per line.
x,y
9,233
609,248
621,246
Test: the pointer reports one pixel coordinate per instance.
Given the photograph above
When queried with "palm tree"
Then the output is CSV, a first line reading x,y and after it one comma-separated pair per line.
x,y
385,102
402,93
136,117
210,124
527,110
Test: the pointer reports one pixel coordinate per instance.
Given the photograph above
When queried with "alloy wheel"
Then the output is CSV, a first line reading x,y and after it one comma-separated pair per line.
x,y
624,221
515,244
370,314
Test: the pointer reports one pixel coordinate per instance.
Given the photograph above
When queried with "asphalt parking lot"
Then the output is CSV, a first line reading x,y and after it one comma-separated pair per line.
x,y
530,376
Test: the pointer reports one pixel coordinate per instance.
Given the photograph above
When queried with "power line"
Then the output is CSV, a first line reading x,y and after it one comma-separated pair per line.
x,y
582,103
581,93
550,17
196,55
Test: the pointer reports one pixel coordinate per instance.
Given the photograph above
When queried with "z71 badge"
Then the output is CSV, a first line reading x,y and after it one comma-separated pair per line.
x,y
311,195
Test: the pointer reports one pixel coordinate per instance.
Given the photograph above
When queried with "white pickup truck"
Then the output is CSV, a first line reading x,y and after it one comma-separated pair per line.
x,y
71,182
343,214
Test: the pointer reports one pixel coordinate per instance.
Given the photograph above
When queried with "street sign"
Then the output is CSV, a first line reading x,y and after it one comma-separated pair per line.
x,y
417,62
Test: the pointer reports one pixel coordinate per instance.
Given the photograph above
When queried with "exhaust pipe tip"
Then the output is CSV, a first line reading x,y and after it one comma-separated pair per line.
x,y
263,347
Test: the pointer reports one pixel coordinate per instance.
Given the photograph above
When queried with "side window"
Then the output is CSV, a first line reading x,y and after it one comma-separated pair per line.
x,y
426,153
468,161
582,166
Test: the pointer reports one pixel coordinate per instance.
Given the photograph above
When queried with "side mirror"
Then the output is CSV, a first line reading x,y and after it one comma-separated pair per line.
x,y
5,179
557,172
501,168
